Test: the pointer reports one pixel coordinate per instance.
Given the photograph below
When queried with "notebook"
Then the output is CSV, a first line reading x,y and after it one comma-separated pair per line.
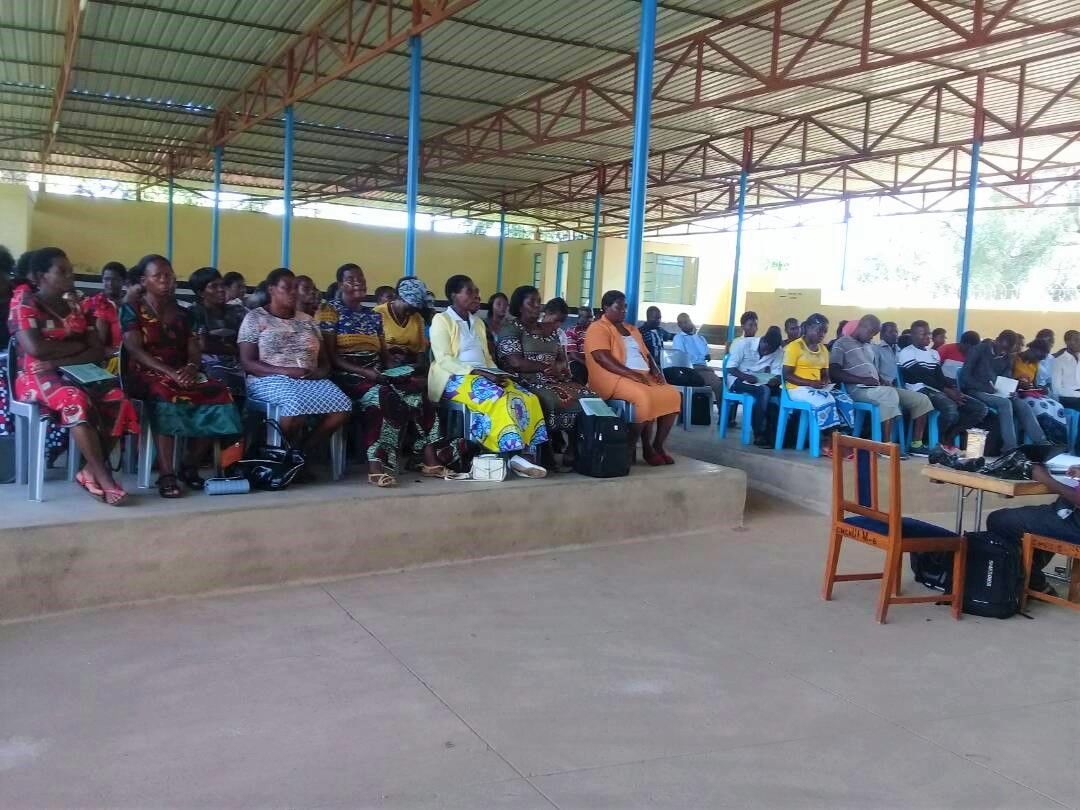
x,y
399,371
86,374
595,407
1005,386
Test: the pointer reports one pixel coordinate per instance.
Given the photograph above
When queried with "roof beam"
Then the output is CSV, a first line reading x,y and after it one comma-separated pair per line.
x,y
585,107
72,28
350,34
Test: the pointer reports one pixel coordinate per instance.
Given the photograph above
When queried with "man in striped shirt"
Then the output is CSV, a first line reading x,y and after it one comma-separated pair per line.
x,y
921,367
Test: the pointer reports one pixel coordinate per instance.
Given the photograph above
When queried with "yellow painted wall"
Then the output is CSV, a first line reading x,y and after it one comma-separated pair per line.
x,y
94,231
775,306
16,205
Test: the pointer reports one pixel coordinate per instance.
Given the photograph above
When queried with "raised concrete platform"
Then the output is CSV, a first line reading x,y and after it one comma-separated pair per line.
x,y
795,477
70,552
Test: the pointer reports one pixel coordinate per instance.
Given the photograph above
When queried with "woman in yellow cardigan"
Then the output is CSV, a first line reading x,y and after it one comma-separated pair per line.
x,y
505,418
620,367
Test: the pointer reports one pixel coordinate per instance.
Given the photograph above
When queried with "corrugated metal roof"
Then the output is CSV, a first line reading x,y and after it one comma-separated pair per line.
x,y
148,78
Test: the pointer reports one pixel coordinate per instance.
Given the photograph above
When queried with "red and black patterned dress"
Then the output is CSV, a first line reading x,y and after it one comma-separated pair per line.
x,y
109,412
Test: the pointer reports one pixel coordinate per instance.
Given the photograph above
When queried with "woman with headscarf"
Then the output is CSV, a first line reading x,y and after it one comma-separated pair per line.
x,y
403,324
392,399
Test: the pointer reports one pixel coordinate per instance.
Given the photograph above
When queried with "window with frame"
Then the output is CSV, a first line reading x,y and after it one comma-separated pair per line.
x,y
586,278
561,272
669,279
538,269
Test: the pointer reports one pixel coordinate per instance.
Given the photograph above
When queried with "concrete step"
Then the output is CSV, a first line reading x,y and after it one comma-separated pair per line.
x,y
70,552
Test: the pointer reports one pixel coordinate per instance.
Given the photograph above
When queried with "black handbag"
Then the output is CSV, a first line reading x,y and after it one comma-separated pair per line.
x,y
270,468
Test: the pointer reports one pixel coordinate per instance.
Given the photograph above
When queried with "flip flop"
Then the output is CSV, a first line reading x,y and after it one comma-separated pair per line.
x,y
115,497
435,471
382,480
90,487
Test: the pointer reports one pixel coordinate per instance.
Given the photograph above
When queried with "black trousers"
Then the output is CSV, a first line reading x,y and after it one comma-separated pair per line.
x,y
1010,524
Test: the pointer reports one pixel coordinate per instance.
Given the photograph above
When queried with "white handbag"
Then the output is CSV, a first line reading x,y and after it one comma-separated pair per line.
x,y
488,467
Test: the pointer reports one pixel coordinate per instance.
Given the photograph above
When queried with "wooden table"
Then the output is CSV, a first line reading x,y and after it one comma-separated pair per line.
x,y
969,482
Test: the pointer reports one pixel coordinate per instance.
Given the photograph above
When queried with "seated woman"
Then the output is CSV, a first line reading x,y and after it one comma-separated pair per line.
x,y
103,312
498,307
287,365
53,333
393,407
165,371
532,351
1048,412
620,367
403,324
806,378
505,417
216,324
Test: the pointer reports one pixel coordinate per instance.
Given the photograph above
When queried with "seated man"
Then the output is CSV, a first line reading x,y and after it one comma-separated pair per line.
x,y
749,323
696,349
654,334
938,338
855,361
922,372
915,406
792,330
748,364
1065,380
958,351
1059,521
984,364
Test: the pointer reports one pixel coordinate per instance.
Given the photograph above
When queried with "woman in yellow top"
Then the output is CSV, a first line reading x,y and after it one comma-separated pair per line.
x,y
503,417
806,378
403,326
620,367
395,409
1048,412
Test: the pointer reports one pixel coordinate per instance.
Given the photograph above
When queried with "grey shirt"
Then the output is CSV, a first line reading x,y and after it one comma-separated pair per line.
x,y
886,362
855,357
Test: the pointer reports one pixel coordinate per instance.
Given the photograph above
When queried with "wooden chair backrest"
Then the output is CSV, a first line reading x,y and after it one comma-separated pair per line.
x,y
865,466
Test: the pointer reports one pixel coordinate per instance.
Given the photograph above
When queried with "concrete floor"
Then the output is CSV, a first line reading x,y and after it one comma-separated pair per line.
x,y
699,671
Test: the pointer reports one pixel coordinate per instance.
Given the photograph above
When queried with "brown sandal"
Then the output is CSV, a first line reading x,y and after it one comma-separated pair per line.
x,y
168,487
435,471
382,480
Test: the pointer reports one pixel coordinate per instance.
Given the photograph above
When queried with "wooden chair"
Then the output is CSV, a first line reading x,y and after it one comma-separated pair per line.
x,y
1070,550
865,522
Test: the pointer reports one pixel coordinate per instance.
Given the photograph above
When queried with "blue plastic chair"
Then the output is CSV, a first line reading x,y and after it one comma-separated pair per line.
x,y
747,402
807,424
932,421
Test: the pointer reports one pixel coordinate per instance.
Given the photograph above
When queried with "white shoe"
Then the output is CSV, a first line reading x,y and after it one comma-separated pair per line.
x,y
526,469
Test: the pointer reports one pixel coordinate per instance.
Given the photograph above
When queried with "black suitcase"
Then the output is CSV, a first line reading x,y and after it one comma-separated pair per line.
x,y
603,446
993,580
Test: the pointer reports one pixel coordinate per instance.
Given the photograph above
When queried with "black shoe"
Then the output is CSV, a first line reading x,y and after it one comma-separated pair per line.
x,y
921,450
764,441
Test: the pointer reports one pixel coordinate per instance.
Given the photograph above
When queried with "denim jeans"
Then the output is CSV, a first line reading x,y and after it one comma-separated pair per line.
x,y
1008,411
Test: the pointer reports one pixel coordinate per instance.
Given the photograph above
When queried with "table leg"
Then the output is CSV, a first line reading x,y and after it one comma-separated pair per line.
x,y
978,510
959,510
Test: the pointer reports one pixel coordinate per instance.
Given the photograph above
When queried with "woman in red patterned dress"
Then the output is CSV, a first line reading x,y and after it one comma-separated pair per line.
x,y
53,332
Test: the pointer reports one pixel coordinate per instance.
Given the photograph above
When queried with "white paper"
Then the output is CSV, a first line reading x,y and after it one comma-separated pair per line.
x,y
1005,386
1062,463
594,406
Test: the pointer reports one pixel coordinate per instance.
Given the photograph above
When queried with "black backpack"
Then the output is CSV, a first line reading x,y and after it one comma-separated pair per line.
x,y
682,377
993,580
603,446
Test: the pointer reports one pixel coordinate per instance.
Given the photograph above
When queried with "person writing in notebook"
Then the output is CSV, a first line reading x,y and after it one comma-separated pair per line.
x,y
1059,520
983,365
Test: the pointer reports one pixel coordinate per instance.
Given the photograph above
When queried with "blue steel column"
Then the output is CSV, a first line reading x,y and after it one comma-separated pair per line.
x,y
595,246
502,249
169,221
743,177
215,223
286,222
640,157
413,168
969,225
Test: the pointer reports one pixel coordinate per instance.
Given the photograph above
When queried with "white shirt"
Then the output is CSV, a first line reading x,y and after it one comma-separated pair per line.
x,y
695,347
745,357
634,359
1066,376
469,349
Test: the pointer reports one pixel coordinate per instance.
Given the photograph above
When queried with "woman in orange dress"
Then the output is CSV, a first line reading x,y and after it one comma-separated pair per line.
x,y
620,368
